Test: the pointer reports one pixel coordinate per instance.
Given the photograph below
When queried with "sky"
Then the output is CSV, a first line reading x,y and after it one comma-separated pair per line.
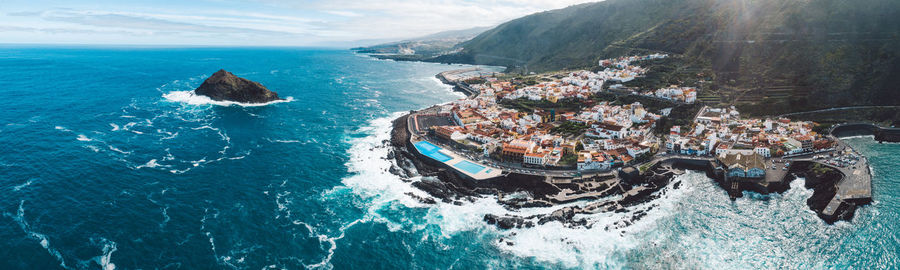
x,y
251,22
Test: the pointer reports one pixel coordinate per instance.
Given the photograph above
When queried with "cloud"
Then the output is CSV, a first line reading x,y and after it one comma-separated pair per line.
x,y
113,20
410,18
10,28
266,22
24,13
343,13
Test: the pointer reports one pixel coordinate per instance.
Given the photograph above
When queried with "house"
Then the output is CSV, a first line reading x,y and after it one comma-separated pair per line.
x,y
763,151
675,130
635,151
608,131
465,117
690,95
450,133
539,159
806,143
742,165
592,161
516,149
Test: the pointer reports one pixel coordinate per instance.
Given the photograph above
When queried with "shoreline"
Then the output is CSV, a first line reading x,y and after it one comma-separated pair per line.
x,y
621,192
631,188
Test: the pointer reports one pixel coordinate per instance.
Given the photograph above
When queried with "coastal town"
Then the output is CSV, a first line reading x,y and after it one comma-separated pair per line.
x,y
597,137
553,126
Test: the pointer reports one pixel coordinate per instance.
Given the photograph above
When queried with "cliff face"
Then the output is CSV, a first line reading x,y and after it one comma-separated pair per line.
x,y
224,86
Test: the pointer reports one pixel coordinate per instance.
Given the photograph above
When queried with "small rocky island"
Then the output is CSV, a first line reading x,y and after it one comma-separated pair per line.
x,y
224,86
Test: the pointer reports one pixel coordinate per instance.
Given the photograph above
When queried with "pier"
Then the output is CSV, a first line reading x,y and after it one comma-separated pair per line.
x,y
854,187
456,77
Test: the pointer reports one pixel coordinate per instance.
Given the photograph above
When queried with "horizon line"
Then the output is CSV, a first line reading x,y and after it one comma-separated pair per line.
x,y
127,45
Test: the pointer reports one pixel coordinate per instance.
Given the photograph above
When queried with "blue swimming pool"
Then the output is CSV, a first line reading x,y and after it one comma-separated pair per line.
x,y
431,150
469,167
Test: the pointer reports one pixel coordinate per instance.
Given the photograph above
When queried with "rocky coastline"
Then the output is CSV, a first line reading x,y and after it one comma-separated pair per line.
x,y
619,192
824,183
515,191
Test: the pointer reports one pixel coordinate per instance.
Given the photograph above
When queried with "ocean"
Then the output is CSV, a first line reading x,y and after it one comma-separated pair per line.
x,y
109,162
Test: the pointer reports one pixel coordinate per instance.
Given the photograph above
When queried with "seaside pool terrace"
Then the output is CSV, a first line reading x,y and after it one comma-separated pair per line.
x,y
468,166
432,151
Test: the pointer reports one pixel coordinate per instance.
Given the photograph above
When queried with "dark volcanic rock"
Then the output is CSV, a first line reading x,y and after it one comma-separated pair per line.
x,y
224,86
507,222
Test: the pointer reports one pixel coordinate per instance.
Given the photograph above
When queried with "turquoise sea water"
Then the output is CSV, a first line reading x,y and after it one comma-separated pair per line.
x,y
109,162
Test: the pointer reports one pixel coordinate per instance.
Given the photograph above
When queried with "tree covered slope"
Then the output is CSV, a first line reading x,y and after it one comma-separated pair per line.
x,y
763,55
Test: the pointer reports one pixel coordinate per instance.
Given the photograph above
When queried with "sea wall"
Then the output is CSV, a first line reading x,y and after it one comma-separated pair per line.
x,y
824,184
881,134
461,87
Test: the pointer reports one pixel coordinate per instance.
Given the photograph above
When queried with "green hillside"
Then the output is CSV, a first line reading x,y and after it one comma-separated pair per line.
x,y
765,56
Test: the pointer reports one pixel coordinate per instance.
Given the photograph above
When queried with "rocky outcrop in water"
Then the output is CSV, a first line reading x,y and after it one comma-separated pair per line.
x,y
224,86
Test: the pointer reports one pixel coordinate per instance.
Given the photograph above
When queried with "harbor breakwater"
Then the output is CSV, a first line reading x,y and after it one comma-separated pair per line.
x,y
881,134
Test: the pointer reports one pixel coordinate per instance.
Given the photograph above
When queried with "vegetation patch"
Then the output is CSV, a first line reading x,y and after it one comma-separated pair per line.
x,y
570,129
527,105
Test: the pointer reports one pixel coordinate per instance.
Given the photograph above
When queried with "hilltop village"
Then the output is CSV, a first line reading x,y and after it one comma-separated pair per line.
x,y
557,137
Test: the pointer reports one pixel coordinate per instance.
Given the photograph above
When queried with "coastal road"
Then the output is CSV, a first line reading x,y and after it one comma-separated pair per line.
x,y
838,109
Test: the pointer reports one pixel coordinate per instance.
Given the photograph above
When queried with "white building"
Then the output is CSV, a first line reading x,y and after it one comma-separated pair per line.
x,y
763,151
636,151
536,158
586,162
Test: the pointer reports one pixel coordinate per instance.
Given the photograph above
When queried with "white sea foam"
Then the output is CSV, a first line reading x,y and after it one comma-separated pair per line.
x,y
150,164
205,127
369,168
23,185
166,218
61,128
191,98
171,136
113,148
447,87
83,138
859,136
105,259
41,238
286,141
326,262
114,127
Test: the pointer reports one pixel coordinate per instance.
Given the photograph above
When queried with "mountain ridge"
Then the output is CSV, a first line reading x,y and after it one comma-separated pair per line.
x,y
764,56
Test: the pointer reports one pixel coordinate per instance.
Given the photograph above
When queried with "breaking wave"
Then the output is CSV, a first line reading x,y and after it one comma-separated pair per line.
x,y
191,98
